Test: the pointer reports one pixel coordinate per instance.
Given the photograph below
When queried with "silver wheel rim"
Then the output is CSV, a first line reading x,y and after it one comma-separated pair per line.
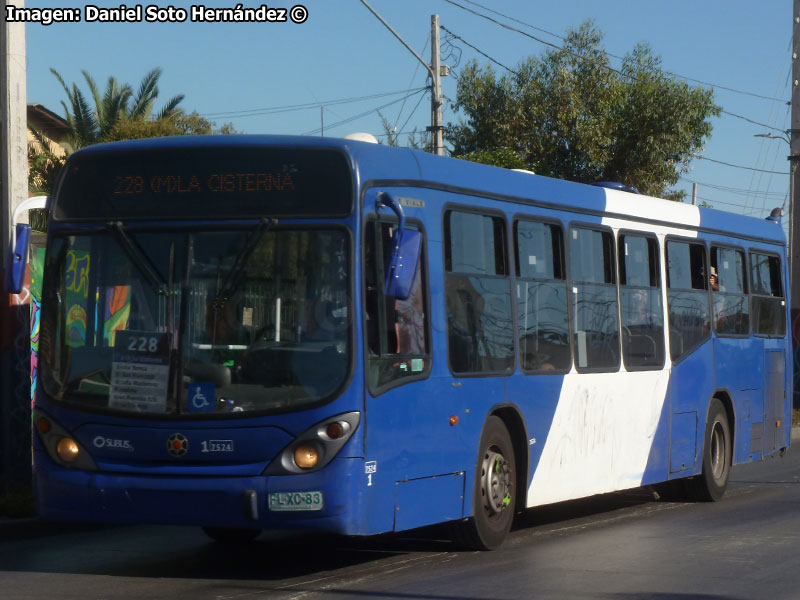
x,y
496,482
717,452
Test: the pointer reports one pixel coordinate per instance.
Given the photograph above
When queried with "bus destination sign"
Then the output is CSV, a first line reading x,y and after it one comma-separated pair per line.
x,y
135,185
205,182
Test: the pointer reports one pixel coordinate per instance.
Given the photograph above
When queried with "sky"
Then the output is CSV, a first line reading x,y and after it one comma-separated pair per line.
x,y
341,68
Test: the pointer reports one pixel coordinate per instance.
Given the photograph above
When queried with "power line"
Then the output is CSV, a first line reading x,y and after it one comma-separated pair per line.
x,y
364,114
743,206
413,77
727,164
510,18
607,67
294,107
579,57
497,62
421,98
733,190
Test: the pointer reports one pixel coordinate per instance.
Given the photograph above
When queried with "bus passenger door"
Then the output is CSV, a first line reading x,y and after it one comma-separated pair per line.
x,y
412,477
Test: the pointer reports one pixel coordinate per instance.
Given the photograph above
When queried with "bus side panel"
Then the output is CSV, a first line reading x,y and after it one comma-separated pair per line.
x,y
775,421
536,396
740,372
692,385
417,454
657,469
602,435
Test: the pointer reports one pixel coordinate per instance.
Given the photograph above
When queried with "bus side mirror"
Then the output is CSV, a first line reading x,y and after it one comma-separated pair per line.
x,y
404,255
403,265
18,260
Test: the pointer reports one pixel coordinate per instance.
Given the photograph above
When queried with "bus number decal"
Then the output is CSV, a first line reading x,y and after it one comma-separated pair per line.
x,y
216,446
370,468
143,344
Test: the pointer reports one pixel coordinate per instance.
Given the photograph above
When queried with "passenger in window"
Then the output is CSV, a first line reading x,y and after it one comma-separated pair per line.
x,y
410,324
713,280
640,309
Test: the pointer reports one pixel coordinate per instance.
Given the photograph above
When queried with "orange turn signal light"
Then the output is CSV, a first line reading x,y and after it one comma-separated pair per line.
x,y
43,425
334,430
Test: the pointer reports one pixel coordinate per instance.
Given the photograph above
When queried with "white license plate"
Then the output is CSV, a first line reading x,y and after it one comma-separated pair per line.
x,y
288,501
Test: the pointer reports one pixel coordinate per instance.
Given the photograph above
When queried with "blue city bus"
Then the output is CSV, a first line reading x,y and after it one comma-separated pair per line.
x,y
250,333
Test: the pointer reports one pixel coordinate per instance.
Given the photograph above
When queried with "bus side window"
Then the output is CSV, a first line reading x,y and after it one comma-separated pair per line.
x,y
731,310
594,299
642,309
480,331
397,330
542,317
687,297
769,303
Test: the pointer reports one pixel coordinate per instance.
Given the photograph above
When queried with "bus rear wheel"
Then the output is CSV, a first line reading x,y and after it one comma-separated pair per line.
x,y
710,485
494,491
231,535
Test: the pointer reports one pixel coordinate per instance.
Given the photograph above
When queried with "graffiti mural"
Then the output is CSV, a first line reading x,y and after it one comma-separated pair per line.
x,y
36,271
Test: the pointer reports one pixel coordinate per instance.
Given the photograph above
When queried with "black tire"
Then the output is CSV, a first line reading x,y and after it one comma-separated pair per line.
x,y
231,535
494,491
710,485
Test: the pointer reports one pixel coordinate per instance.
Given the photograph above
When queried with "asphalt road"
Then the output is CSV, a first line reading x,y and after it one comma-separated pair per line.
x,y
625,546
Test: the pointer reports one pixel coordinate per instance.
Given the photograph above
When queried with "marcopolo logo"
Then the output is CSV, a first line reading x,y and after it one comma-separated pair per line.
x,y
112,443
177,444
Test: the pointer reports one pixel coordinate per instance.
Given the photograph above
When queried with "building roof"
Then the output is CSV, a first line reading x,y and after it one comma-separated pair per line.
x,y
50,119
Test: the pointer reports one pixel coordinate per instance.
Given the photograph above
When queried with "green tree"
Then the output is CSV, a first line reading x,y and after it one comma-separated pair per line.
x,y
43,165
118,114
570,115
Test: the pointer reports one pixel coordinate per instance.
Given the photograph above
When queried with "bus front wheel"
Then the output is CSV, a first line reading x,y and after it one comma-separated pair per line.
x,y
710,484
494,491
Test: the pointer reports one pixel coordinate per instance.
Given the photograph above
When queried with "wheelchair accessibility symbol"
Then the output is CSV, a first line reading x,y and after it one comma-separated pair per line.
x,y
201,397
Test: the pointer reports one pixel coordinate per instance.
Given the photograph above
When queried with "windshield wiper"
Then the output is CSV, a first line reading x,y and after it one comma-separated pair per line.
x,y
237,269
140,260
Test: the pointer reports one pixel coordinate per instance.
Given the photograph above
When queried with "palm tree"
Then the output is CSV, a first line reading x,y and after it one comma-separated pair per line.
x,y
118,103
87,125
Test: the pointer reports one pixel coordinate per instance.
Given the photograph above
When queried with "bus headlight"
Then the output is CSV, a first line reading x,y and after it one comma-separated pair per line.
x,y
67,450
306,456
316,446
60,445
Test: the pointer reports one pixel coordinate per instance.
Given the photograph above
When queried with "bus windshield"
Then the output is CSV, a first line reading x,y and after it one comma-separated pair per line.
x,y
225,321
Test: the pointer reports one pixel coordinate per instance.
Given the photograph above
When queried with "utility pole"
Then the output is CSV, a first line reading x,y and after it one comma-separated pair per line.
x,y
794,186
435,73
436,127
13,124
14,346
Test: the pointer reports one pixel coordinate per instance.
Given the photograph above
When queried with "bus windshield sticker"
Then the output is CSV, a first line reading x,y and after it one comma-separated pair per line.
x,y
411,202
201,396
140,371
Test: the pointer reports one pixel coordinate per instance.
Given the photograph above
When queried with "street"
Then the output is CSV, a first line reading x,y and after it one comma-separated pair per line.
x,y
625,546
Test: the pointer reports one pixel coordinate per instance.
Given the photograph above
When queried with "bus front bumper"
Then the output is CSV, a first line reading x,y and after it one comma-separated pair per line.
x,y
260,502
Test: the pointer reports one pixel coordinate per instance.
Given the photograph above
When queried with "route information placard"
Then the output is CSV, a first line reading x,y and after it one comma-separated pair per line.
x,y
140,371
